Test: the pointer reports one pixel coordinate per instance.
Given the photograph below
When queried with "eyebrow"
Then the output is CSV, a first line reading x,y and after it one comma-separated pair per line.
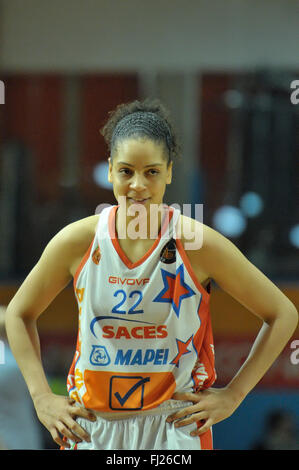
x,y
146,166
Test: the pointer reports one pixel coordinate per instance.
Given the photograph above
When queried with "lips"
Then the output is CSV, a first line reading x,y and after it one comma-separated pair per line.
x,y
138,201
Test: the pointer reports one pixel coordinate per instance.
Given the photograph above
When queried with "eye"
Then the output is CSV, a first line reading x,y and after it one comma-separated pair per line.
x,y
153,172
125,171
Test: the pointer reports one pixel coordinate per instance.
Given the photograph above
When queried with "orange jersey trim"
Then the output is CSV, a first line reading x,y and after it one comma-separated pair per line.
x,y
206,439
117,246
82,263
187,263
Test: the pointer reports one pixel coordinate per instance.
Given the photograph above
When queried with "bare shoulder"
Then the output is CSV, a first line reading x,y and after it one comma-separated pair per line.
x,y
70,243
196,235
81,232
77,237
54,269
207,246
221,260
204,246
192,230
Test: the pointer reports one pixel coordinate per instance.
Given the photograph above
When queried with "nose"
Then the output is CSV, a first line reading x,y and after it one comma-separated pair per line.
x,y
138,182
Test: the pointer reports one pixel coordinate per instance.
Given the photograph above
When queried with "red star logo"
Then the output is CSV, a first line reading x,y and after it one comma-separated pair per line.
x,y
175,289
182,350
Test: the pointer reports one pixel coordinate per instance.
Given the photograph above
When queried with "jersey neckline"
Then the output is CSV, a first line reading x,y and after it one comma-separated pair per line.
x,y
115,241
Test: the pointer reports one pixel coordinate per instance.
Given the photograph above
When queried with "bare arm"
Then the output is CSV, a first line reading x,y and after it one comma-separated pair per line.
x,y
248,285
46,280
42,285
224,263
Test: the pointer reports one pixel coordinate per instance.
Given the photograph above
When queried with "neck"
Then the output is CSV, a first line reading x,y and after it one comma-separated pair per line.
x,y
138,222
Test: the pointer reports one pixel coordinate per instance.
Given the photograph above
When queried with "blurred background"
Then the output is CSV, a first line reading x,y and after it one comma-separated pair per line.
x,y
225,71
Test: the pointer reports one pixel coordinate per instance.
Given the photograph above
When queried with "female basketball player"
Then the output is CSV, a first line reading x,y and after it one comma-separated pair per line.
x,y
143,370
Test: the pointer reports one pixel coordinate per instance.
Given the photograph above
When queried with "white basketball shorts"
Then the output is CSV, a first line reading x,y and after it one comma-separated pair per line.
x,y
147,430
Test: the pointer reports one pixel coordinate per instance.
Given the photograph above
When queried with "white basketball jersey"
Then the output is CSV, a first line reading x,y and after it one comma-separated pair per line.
x,y
144,327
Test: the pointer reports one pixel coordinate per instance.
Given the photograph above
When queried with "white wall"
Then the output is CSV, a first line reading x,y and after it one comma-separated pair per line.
x,y
84,35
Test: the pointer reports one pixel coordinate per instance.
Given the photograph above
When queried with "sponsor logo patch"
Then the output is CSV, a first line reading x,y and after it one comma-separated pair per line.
x,y
99,356
168,253
142,357
128,281
137,332
109,391
96,256
133,387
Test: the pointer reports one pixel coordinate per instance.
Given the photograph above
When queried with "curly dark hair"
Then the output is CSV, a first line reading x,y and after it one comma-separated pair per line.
x,y
147,105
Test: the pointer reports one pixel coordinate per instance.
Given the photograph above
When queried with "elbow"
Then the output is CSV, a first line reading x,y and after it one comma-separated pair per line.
x,y
10,312
295,317
11,315
14,315
290,317
14,310
287,315
293,314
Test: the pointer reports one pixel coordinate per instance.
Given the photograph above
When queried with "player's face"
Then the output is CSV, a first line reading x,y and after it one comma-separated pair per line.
x,y
139,172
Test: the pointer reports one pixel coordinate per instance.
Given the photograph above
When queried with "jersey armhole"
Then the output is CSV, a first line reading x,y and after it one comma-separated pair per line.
x,y
82,263
85,257
204,291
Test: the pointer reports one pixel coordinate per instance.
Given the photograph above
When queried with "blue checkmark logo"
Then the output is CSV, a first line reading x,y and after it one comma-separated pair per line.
x,y
136,392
